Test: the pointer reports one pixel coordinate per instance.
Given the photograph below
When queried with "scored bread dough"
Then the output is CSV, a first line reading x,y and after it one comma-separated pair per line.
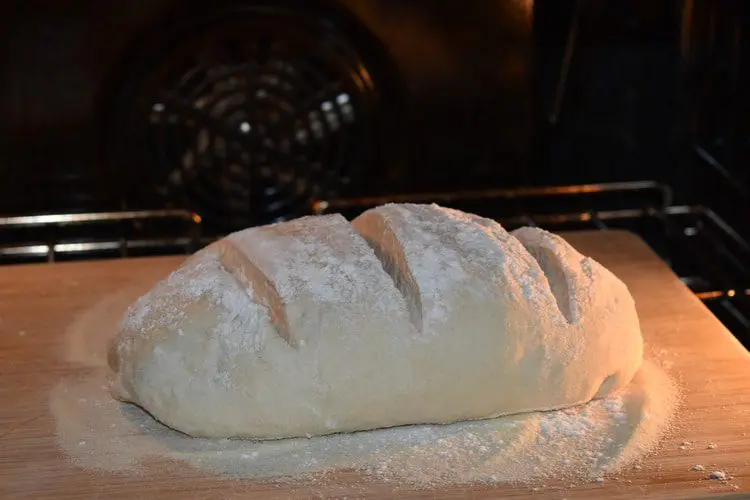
x,y
409,314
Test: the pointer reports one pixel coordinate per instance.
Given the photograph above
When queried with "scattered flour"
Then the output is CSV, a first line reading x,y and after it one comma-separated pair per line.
x,y
581,443
719,475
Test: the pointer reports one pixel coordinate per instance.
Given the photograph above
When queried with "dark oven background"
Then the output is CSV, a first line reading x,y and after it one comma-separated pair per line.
x,y
153,126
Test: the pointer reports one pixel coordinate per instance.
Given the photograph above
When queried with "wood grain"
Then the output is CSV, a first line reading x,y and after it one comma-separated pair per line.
x,y
39,302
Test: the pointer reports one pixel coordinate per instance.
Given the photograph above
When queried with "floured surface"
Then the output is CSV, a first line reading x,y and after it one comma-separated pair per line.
x,y
577,444
580,443
712,368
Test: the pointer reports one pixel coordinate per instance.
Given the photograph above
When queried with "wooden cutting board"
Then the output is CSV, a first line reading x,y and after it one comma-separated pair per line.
x,y
38,303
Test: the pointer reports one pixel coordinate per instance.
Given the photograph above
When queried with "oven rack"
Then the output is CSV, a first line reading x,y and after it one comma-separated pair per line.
x,y
708,255
53,237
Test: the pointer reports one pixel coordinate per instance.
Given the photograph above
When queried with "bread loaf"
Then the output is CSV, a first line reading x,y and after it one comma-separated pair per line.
x,y
410,314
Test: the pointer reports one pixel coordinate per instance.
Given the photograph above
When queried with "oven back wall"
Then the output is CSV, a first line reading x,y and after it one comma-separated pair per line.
x,y
462,118
55,58
476,87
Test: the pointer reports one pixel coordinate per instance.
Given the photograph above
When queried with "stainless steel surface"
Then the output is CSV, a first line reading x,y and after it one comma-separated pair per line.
x,y
81,218
321,206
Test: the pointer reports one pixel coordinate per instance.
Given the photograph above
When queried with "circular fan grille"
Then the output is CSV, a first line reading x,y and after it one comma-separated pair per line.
x,y
249,118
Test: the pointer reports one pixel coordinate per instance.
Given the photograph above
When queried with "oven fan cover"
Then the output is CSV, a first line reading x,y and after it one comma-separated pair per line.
x,y
248,114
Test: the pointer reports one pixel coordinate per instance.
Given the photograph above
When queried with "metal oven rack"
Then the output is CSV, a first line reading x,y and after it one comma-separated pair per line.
x,y
53,237
709,256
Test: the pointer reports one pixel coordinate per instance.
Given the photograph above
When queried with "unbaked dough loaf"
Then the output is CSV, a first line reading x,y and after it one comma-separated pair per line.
x,y
409,314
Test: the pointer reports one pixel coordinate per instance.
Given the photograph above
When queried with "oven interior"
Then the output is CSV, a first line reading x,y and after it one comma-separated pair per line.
x,y
154,127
